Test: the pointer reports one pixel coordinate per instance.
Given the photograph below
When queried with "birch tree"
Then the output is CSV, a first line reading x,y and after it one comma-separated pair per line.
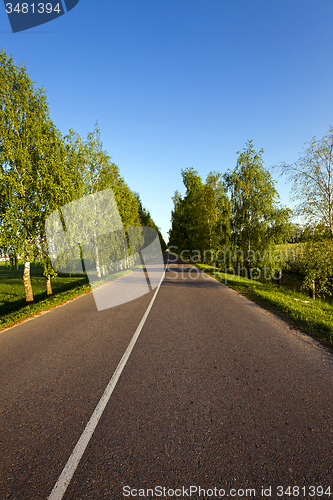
x,y
312,181
200,220
257,219
28,151
98,172
147,221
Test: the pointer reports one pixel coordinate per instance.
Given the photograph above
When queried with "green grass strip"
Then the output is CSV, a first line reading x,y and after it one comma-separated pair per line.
x,y
12,303
314,317
19,315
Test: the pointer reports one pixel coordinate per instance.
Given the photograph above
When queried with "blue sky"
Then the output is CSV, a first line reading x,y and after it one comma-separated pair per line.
x,y
180,83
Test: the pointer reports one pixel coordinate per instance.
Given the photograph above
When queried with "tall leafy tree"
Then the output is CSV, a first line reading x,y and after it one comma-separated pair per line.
x,y
312,181
128,206
201,219
30,171
257,219
317,267
186,213
147,221
178,234
217,213
98,173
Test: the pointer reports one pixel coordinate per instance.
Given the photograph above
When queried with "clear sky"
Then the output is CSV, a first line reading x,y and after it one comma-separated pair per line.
x,y
180,83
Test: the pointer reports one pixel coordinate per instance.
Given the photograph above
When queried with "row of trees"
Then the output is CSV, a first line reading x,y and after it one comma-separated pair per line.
x,y
239,212
312,186
234,219
40,171
312,190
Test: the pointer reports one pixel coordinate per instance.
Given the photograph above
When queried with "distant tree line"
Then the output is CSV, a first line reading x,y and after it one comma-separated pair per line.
x,y
41,170
235,220
232,220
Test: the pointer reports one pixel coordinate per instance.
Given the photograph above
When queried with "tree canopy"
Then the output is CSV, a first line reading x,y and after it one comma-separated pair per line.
x,y
312,181
258,221
200,220
33,175
41,171
234,218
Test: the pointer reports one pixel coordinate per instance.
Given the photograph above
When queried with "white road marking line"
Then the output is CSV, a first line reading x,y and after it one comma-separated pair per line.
x,y
68,471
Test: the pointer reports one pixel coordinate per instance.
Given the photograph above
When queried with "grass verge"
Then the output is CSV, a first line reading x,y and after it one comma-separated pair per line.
x,y
314,317
13,308
24,312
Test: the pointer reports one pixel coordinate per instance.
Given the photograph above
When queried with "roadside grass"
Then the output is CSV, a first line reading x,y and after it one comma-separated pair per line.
x,y
292,281
314,317
13,308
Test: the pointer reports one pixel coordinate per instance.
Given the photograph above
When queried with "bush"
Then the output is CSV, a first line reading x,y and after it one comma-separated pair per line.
x,y
318,267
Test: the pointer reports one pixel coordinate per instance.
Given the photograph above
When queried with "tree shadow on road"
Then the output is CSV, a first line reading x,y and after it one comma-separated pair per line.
x,y
190,276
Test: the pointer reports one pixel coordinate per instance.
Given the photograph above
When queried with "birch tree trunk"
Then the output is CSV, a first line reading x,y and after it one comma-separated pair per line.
x,y
29,298
312,290
98,267
248,261
48,286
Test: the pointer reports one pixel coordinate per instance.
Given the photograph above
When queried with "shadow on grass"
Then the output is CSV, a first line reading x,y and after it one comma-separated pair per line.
x,y
8,306
12,296
13,307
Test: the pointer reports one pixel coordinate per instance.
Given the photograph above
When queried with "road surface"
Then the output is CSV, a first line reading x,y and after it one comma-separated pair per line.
x,y
217,393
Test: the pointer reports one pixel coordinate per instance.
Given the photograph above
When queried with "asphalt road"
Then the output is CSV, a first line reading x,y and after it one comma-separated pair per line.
x,y
217,393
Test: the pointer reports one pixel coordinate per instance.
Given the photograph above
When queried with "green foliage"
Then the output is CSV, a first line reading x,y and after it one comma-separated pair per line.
x,y
314,232
92,163
312,262
200,221
147,221
97,173
33,174
293,256
241,229
318,267
40,171
24,124
258,222
312,182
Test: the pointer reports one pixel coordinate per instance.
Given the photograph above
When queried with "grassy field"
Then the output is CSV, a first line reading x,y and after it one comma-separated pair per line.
x,y
12,300
13,308
314,317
